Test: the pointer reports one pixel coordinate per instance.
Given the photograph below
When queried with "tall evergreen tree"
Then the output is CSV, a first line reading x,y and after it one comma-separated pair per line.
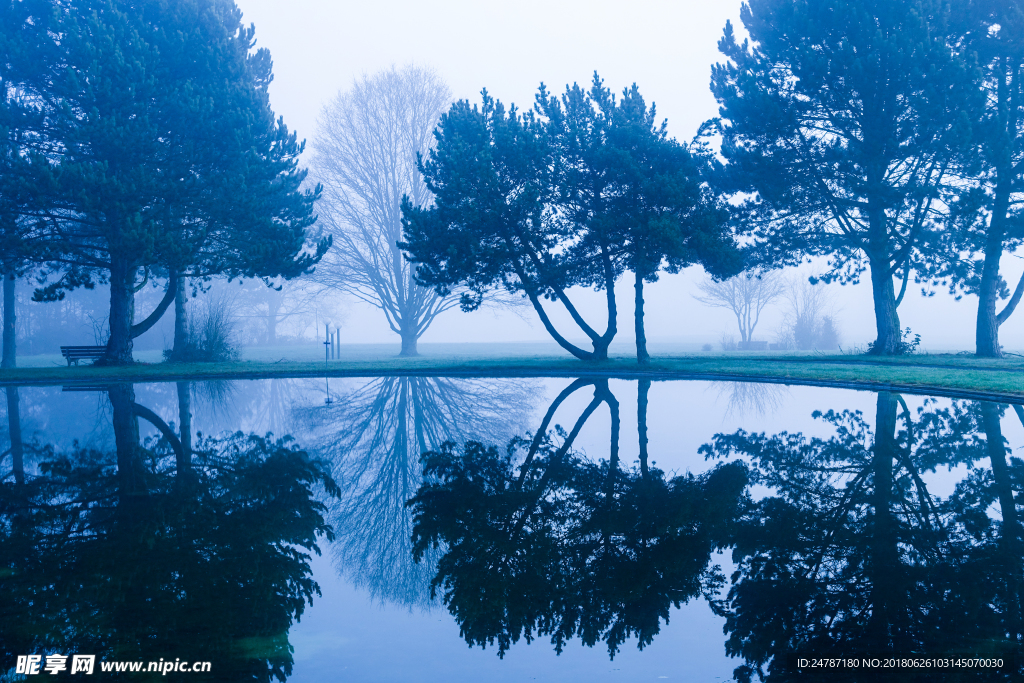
x,y
25,170
572,193
842,117
172,155
986,221
497,219
655,208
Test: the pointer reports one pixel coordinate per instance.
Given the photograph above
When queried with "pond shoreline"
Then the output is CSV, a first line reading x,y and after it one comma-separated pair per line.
x,y
937,375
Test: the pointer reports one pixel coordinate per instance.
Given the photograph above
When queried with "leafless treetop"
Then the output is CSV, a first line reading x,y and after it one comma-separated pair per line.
x,y
365,157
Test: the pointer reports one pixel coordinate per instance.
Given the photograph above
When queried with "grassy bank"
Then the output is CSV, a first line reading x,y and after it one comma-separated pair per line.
x,y
929,374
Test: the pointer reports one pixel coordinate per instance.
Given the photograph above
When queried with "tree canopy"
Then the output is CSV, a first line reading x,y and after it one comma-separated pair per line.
x,y
171,160
571,193
843,120
366,149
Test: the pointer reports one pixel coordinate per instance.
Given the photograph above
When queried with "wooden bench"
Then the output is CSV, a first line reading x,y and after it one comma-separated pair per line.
x,y
73,354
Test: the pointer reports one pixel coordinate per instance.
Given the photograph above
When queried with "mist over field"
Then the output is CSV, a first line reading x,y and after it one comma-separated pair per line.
x,y
338,337
667,49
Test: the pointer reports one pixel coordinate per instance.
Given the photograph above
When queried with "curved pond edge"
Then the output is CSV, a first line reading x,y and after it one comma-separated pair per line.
x,y
947,376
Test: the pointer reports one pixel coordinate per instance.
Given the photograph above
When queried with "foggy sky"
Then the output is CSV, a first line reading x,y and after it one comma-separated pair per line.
x,y
667,48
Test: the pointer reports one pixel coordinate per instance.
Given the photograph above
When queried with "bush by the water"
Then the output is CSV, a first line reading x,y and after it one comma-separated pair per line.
x,y
210,333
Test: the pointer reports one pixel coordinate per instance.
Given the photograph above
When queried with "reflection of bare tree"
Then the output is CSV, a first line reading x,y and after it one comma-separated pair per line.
x,y
751,397
267,405
374,435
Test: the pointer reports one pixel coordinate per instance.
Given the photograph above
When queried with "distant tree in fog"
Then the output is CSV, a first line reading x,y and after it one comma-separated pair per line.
x,y
809,323
365,155
286,310
746,295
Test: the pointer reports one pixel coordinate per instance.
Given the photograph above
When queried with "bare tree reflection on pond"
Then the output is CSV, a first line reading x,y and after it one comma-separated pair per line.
x,y
154,551
746,398
851,553
538,540
374,436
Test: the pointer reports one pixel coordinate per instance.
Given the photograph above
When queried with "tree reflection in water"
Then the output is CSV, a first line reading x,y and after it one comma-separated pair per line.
x,y
759,398
161,551
851,552
374,436
540,541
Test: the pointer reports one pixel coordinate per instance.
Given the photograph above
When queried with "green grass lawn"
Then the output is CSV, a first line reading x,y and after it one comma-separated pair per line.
x,y
938,374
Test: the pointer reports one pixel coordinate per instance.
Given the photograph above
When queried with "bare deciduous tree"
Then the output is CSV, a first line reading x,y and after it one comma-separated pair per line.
x,y
746,295
810,323
365,157
374,436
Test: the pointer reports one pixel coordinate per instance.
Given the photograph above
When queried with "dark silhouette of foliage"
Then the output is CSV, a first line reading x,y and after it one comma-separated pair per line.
x,y
851,553
206,554
844,120
539,541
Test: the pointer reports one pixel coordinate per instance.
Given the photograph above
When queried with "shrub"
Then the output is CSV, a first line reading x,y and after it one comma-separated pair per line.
x,y
905,346
210,333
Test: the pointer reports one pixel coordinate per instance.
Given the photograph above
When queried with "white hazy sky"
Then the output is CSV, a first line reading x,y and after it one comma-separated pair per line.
x,y
667,48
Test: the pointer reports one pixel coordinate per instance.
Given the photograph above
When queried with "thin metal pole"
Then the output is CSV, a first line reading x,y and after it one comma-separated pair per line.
x,y
327,355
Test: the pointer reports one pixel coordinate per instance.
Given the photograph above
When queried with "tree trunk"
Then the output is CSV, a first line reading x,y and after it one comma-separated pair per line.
x,y
602,344
559,339
170,295
130,471
986,333
14,429
884,560
542,431
643,388
986,336
887,320
1000,472
122,312
273,306
642,357
180,321
184,458
603,393
10,318
1010,538
409,340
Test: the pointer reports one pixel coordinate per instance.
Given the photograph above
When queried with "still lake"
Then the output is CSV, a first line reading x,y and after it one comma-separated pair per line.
x,y
724,527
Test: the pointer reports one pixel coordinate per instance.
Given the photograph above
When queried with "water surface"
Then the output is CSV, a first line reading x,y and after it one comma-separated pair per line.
x,y
425,528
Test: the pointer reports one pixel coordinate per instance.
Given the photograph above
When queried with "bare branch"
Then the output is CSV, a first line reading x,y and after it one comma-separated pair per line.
x,y
365,156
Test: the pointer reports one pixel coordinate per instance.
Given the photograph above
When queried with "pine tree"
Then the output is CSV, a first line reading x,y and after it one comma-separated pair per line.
x,y
26,173
658,211
171,156
572,193
843,119
985,220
